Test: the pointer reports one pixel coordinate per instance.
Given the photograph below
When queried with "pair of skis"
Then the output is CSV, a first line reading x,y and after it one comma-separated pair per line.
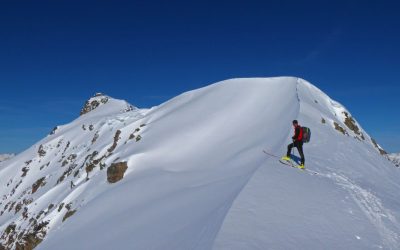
x,y
290,163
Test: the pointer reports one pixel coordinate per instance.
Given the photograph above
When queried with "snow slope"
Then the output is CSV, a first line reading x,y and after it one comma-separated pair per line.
x,y
395,158
351,204
197,177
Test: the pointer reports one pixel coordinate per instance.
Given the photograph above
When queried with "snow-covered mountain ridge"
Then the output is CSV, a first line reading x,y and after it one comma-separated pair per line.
x,y
190,174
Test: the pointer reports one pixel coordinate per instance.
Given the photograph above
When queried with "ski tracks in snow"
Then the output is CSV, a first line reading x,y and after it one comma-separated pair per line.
x,y
380,217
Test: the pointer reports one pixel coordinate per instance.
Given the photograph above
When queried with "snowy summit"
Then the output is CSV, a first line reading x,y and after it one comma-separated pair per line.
x,y
191,174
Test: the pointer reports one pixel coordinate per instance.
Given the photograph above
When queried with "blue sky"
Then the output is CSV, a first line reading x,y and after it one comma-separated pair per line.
x,y
54,55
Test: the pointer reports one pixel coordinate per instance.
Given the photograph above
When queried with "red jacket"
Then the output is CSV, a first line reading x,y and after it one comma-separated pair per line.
x,y
298,133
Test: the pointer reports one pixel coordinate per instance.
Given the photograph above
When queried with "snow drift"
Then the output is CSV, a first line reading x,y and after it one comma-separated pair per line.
x,y
191,174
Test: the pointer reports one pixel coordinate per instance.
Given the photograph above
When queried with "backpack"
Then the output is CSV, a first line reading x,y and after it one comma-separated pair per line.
x,y
306,134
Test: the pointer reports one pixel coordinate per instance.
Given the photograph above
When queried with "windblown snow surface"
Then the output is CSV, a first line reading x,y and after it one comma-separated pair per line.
x,y
197,177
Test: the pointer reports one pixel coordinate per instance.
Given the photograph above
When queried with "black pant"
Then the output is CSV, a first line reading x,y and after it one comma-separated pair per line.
x,y
299,146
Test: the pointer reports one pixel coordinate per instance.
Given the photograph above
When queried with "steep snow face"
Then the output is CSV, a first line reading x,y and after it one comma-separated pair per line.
x,y
352,202
395,158
191,174
4,157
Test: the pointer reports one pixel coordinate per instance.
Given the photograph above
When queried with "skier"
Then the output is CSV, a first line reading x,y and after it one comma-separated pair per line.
x,y
297,142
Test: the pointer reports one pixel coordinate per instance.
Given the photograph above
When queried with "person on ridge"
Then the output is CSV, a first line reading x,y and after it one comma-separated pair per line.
x,y
297,142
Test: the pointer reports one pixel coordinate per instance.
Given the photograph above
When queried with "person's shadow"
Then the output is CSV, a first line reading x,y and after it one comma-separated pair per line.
x,y
296,159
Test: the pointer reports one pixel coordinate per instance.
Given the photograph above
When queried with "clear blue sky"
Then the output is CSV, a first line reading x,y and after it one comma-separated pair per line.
x,y
54,55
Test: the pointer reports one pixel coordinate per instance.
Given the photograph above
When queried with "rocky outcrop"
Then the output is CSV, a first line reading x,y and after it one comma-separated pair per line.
x,y
381,151
54,130
351,124
68,214
115,143
116,171
39,183
93,103
26,240
134,134
339,128
41,151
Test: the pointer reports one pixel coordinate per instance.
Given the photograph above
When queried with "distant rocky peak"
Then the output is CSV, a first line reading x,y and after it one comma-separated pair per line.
x,y
97,100
107,104
4,157
395,158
